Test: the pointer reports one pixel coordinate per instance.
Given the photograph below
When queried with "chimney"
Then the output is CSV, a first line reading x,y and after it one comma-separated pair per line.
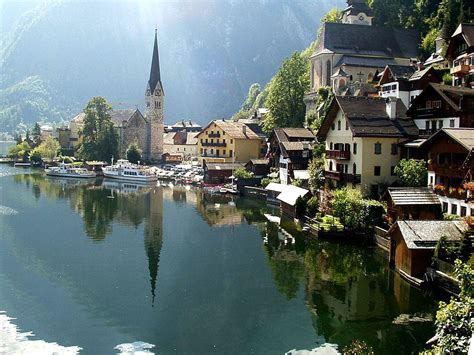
x,y
391,107
244,130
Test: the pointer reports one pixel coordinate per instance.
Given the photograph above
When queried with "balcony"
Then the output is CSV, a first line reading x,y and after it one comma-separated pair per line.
x,y
456,193
338,154
460,69
214,135
343,177
215,144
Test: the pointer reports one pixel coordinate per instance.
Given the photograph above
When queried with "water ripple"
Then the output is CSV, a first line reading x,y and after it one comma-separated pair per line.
x,y
7,211
137,347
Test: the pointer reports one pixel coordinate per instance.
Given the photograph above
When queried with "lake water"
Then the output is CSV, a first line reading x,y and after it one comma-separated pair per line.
x,y
100,264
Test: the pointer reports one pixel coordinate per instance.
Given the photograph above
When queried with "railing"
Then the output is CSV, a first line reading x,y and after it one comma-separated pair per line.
x,y
460,69
209,144
214,135
338,154
340,176
447,170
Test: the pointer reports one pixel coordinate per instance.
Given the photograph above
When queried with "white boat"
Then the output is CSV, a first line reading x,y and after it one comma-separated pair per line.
x,y
124,170
71,171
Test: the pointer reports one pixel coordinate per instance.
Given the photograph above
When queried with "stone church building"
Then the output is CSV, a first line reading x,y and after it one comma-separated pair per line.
x,y
350,54
130,124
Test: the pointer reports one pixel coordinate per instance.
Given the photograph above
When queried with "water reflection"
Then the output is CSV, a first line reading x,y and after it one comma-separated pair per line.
x,y
350,292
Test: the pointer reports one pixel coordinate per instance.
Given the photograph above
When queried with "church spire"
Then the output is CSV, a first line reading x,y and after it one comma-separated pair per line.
x,y
155,76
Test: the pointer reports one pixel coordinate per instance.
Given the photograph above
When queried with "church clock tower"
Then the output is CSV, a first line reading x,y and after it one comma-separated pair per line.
x,y
154,98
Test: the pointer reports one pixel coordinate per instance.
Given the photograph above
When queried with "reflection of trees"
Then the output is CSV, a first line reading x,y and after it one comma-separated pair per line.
x,y
101,204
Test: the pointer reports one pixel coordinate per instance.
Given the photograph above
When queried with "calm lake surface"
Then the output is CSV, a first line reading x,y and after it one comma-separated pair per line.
x,y
101,264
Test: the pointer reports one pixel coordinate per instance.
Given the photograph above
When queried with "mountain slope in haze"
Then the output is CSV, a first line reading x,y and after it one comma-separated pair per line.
x,y
210,52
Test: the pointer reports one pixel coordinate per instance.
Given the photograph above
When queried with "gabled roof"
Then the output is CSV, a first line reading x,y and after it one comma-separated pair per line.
x,y
408,196
368,40
465,31
290,194
234,129
425,234
464,136
259,161
119,116
368,117
417,75
285,134
450,94
295,146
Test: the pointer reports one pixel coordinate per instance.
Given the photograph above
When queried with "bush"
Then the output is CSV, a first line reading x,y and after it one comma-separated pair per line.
x,y
297,183
412,173
301,207
242,173
313,206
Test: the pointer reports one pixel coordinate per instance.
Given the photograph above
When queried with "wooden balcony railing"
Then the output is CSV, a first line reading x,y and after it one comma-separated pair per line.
x,y
339,176
215,144
460,69
214,135
338,154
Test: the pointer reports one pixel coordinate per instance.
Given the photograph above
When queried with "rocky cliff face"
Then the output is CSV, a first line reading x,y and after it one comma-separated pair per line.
x,y
55,56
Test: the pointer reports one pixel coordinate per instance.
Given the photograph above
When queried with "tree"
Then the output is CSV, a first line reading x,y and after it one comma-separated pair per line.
x,y
254,91
313,206
316,167
99,139
412,173
454,320
297,183
20,151
134,153
334,15
285,95
36,134
47,150
300,207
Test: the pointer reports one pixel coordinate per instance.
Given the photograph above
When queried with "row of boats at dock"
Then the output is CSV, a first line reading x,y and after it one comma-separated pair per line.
x,y
127,171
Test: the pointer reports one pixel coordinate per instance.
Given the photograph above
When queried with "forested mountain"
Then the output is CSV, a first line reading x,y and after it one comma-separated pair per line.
x,y
56,55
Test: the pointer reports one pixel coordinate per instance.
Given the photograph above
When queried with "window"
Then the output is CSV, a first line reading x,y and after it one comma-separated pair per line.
x,y
346,168
427,124
355,148
201,151
354,168
201,140
394,149
330,146
330,166
338,125
463,211
376,170
436,104
217,152
451,123
440,124
445,207
212,151
223,152
454,209
428,104
347,125
230,153
212,139
206,140
328,73
378,148
333,126
231,141
305,153
223,141
392,170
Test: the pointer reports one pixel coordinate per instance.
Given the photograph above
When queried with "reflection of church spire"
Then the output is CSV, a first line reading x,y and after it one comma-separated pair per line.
x,y
154,235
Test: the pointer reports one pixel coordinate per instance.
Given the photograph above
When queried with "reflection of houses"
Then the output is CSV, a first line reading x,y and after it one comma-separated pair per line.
x,y
290,149
227,141
460,54
362,137
286,196
405,82
413,243
451,168
359,49
418,203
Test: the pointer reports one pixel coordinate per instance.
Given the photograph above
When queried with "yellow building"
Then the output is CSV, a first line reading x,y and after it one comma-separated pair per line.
x,y
362,141
224,141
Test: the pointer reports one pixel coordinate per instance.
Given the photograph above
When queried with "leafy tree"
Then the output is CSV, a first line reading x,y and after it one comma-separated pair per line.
x,y
35,156
48,150
334,15
134,153
313,206
428,43
99,139
242,173
316,173
412,172
447,79
455,320
297,183
36,134
252,95
20,151
286,92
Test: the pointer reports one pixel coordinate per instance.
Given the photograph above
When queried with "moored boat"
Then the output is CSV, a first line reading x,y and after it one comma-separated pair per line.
x,y
70,171
124,170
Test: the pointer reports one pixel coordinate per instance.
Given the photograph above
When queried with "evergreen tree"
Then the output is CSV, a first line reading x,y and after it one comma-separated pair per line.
x,y
134,153
36,134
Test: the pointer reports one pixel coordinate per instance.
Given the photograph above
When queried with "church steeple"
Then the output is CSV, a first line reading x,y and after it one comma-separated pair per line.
x,y
155,76
357,12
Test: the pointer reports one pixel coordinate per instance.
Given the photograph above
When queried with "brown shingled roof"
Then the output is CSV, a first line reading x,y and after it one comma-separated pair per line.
x,y
408,196
234,129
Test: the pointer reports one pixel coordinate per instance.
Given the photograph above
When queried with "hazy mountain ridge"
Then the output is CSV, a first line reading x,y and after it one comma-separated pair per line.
x,y
210,52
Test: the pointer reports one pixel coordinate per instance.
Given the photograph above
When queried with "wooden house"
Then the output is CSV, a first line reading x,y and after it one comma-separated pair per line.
x,y
412,244
414,203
